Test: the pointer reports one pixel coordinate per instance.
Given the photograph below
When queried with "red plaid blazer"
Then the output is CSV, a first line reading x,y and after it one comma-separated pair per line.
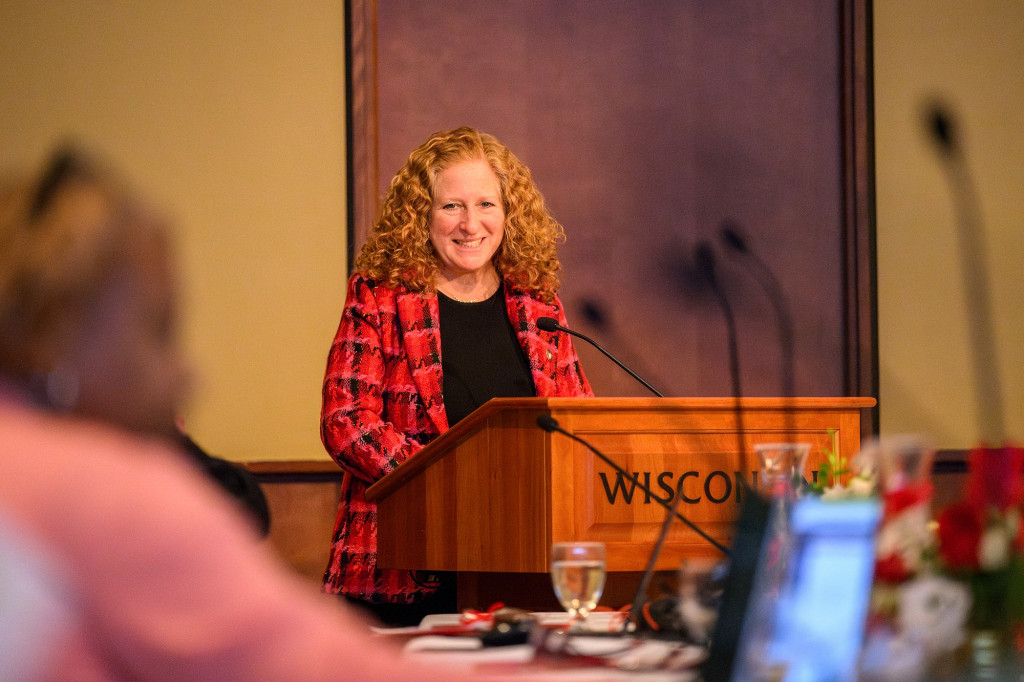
x,y
382,403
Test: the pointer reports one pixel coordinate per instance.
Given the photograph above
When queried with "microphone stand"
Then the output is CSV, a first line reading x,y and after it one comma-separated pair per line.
x,y
977,295
730,236
705,258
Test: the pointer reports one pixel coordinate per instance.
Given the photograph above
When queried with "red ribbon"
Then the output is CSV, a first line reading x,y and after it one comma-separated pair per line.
x,y
487,617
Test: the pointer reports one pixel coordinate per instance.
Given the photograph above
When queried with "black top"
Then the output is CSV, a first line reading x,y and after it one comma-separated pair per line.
x,y
480,355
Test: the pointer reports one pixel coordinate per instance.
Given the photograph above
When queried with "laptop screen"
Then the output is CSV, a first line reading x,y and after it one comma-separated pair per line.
x,y
810,595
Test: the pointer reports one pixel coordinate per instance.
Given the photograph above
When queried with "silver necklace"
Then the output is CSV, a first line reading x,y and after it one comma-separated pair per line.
x,y
489,293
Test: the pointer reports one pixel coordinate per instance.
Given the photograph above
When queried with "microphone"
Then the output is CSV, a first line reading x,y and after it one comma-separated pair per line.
x,y
943,130
549,424
731,237
750,534
987,385
704,258
550,324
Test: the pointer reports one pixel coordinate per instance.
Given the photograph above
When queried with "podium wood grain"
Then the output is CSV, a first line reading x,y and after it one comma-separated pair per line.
x,y
492,494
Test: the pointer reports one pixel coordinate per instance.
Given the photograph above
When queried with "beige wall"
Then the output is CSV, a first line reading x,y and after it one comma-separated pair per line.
x,y
231,115
233,118
971,53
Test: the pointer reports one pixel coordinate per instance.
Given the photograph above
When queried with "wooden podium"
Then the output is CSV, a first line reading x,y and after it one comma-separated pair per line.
x,y
489,497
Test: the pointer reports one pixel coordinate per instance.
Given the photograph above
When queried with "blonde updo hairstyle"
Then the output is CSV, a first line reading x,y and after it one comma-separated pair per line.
x,y
398,250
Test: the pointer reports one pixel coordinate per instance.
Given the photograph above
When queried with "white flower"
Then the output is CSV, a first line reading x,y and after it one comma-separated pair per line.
x,y
906,535
933,611
834,492
994,548
862,486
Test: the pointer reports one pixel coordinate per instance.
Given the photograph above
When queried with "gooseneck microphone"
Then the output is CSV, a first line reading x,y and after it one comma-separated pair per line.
x,y
732,238
549,424
753,515
987,385
704,257
550,324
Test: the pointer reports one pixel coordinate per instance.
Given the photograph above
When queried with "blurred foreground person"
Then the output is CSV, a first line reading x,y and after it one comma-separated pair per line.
x,y
121,560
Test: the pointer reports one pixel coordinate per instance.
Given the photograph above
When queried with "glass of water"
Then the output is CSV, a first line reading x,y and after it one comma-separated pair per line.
x,y
577,574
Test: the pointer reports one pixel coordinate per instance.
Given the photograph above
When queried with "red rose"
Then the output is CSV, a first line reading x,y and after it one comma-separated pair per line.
x,y
906,497
996,477
891,569
960,527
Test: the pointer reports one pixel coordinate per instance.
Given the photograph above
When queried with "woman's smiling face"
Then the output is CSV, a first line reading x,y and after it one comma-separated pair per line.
x,y
467,219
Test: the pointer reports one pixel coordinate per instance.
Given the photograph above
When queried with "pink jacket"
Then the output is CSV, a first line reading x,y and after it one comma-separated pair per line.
x,y
141,570
382,402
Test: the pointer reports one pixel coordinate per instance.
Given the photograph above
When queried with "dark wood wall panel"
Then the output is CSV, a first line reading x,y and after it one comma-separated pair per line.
x,y
647,126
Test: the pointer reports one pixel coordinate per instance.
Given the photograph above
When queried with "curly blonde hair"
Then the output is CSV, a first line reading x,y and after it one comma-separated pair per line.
x,y
398,250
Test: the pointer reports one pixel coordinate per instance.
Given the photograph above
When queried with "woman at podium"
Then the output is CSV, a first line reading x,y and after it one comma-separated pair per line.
x,y
440,317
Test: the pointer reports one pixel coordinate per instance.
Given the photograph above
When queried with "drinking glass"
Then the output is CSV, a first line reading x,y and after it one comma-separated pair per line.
x,y
781,466
577,574
904,461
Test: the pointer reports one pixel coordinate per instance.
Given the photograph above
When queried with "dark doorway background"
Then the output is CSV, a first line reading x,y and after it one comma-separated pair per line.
x,y
647,126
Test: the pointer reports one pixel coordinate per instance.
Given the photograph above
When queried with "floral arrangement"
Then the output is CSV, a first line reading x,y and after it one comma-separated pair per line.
x,y
939,583
839,478
981,537
906,539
